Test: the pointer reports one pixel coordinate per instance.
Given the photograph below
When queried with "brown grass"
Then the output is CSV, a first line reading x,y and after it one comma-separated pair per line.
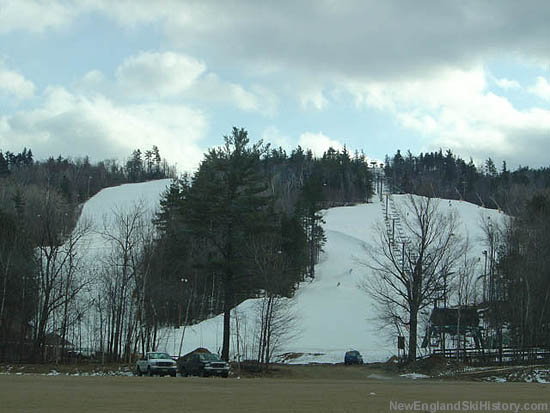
x,y
290,389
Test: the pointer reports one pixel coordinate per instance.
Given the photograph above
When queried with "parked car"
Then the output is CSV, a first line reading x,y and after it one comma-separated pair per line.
x,y
156,363
81,353
202,364
353,357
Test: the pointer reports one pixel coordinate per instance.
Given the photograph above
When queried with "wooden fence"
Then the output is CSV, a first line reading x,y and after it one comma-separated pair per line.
x,y
507,355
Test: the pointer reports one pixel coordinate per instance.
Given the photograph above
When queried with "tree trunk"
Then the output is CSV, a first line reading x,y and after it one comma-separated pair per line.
x,y
5,288
228,296
227,305
261,341
413,324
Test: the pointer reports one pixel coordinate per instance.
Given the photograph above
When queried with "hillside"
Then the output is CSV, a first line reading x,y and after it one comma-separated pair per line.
x,y
333,314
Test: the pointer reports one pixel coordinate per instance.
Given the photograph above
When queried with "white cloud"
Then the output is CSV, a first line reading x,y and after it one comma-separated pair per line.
x,y
14,84
372,39
454,109
156,75
131,13
273,135
93,82
100,128
36,15
541,88
312,97
318,143
93,78
211,88
424,68
507,84
163,74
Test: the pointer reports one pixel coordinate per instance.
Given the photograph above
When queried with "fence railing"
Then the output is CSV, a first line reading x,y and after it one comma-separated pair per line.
x,y
508,355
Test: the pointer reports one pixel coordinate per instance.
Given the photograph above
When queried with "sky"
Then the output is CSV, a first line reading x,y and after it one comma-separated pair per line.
x,y
102,78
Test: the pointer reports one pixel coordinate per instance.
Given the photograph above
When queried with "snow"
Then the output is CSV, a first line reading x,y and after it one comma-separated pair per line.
x,y
100,209
414,376
98,214
124,197
530,375
334,314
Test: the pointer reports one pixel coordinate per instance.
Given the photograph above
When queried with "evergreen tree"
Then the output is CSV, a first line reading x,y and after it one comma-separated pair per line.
x,y
134,166
309,206
156,159
225,205
490,168
4,170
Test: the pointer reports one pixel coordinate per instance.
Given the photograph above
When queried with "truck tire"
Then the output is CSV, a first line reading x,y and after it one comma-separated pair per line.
x,y
149,372
138,371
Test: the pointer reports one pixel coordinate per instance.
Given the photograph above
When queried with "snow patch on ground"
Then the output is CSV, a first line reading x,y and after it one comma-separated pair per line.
x,y
414,376
523,375
497,379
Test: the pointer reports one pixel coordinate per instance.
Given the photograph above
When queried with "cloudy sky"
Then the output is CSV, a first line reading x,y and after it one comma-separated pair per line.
x,y
100,78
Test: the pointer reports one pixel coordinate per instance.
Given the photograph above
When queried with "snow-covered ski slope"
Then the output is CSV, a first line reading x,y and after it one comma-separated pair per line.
x,y
123,198
333,314
101,209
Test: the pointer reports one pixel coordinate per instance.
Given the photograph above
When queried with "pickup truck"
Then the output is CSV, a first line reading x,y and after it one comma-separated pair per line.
x,y
156,363
203,364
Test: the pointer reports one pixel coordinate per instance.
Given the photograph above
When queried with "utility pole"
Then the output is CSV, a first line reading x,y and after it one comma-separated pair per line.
x,y
485,277
403,258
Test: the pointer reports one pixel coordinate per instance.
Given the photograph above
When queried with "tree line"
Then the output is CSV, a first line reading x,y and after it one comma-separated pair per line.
x,y
40,202
427,263
519,275
78,179
445,175
246,224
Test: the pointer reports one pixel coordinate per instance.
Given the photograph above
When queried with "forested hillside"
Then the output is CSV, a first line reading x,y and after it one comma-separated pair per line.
x,y
446,175
40,202
248,224
222,230
517,269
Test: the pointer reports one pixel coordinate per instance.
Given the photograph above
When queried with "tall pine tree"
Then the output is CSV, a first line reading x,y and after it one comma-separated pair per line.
x,y
227,203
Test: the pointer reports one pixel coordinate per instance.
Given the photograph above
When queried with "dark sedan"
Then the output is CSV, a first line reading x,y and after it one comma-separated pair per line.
x,y
353,357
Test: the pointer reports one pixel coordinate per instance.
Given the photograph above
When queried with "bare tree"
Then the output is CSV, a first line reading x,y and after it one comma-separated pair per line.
x,y
274,312
60,253
494,285
17,292
465,291
124,279
412,270
9,244
276,325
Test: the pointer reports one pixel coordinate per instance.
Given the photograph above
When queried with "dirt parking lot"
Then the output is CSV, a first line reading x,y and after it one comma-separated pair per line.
x,y
29,393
